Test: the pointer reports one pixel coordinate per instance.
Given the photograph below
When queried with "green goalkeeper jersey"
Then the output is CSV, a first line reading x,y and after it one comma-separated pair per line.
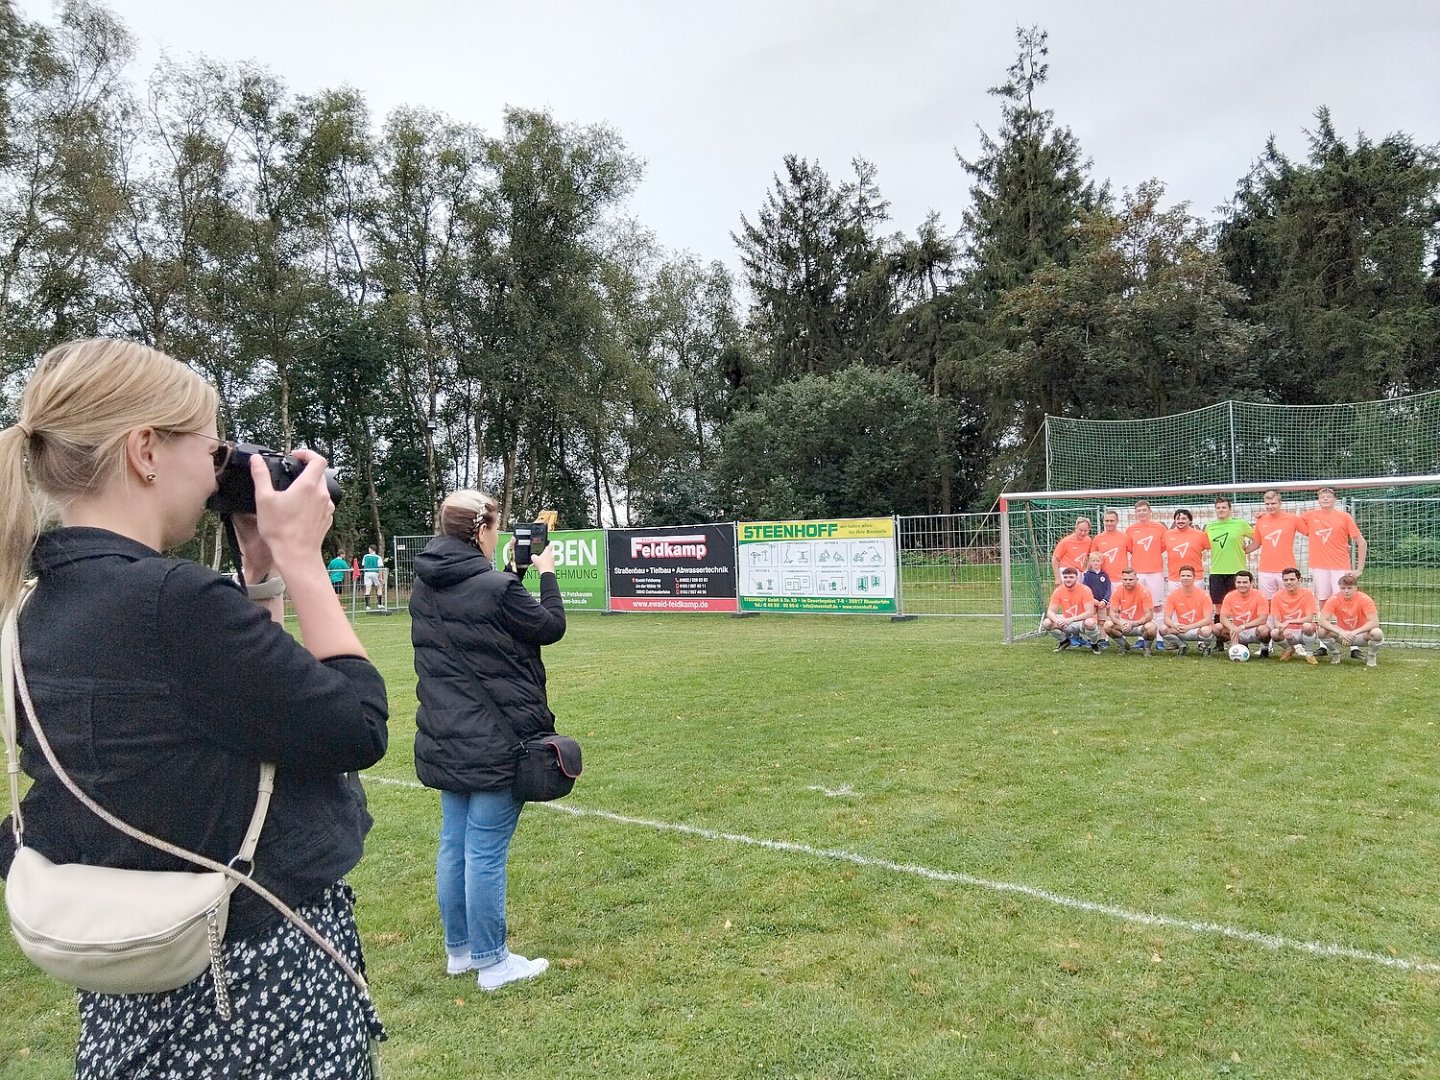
x,y
1227,544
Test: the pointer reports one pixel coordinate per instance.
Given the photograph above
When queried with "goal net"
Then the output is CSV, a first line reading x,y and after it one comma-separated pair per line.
x,y
1239,442
1399,517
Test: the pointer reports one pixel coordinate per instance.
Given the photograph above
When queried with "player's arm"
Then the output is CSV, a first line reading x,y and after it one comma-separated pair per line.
x,y
1324,620
1361,550
1228,623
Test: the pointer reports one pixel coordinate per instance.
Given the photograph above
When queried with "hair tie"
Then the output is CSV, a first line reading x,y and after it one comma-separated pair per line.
x,y
25,429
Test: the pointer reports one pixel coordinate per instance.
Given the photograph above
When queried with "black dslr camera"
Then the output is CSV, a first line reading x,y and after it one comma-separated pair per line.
x,y
236,493
530,539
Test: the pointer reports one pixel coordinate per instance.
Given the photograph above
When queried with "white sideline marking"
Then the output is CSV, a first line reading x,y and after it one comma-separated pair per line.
x,y
1141,918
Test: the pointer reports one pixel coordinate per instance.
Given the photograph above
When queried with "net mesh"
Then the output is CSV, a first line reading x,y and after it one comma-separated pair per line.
x,y
1245,442
1400,522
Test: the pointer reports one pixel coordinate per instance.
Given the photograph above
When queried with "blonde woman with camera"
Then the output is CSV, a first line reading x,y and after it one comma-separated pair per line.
x,y
162,688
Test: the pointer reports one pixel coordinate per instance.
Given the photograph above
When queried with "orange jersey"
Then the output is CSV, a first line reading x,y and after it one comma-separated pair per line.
x,y
1352,615
1073,551
1330,533
1186,547
1131,605
1289,610
1114,549
1276,533
1188,610
1147,547
1244,610
1071,602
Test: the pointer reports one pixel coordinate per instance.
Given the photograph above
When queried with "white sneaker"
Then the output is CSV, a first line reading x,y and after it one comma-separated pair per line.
x,y
514,968
458,963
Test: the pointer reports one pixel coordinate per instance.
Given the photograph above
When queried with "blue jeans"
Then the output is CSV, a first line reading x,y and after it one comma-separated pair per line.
x,y
475,832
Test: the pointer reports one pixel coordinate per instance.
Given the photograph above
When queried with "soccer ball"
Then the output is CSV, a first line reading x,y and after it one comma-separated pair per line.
x,y
1239,652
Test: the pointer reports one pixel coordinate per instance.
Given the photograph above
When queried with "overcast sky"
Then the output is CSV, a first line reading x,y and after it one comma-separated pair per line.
x,y
712,95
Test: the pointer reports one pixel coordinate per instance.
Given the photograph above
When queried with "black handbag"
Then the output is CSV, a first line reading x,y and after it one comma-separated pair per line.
x,y
546,767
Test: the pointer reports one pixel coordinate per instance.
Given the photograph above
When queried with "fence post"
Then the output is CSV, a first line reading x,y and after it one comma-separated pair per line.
x,y
1005,581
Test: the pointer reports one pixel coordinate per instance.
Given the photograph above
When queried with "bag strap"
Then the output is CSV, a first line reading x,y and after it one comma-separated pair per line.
x,y
14,676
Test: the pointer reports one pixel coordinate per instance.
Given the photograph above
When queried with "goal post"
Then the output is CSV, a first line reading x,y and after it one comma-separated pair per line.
x,y
1399,516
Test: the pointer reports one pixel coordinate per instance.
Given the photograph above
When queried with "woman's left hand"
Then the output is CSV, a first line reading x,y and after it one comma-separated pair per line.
x,y
255,557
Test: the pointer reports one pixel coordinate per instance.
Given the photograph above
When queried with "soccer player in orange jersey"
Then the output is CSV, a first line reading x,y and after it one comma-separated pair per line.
x,y
1073,549
1350,619
1132,611
1292,613
1330,531
1185,545
1071,611
1147,552
1245,615
1275,528
1112,545
1189,615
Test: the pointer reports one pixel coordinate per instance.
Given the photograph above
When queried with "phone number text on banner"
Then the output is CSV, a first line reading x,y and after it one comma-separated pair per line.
x,y
847,565
685,568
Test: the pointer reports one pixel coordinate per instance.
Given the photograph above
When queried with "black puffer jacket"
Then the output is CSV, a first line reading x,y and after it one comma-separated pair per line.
x,y
477,635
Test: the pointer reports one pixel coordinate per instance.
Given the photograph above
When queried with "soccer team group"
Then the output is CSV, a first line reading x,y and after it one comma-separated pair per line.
x,y
1160,602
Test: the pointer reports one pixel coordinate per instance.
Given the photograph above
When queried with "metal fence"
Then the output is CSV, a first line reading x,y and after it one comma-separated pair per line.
x,y
950,565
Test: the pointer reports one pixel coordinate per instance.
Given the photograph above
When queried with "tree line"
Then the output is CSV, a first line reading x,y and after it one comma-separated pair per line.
x,y
432,306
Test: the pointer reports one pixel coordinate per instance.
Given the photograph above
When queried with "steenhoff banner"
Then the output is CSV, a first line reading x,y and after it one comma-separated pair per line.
x,y
689,568
846,565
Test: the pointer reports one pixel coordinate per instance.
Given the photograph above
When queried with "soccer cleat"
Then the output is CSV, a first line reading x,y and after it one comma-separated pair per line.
x,y
1265,652
1095,648
1302,652
1372,660
1140,642
514,968
1354,652
1310,658
1336,657
1207,649
1064,644
1184,649
1322,650
1286,653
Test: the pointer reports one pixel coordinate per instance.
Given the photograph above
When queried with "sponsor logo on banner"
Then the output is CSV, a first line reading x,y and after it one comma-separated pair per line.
x,y
846,565
685,568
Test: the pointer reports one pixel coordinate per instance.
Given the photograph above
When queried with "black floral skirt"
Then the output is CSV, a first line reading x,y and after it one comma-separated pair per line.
x,y
294,1012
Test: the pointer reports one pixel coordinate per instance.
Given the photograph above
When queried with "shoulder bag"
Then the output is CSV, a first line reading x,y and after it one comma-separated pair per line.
x,y
118,931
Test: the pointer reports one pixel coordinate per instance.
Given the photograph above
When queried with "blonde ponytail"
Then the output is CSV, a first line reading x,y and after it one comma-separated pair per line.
x,y
464,511
82,401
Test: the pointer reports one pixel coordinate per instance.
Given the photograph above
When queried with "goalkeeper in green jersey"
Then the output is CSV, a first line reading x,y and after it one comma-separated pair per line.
x,y
1231,541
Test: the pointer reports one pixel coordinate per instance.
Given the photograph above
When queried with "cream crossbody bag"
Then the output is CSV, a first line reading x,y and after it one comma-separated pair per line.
x,y
118,931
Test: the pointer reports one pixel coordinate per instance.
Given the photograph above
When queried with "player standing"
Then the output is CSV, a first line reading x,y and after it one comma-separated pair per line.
x,y
1185,545
1073,550
1147,552
1245,615
1112,544
1231,541
1275,529
1189,615
1293,610
1330,531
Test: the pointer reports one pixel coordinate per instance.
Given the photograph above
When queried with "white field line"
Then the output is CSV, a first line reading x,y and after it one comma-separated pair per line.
x,y
1140,918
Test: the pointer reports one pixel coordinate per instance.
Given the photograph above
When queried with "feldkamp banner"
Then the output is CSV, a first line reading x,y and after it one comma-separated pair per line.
x,y
681,568
577,567
818,566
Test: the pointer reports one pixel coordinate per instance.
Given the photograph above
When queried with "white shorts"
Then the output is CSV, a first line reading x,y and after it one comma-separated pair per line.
x,y
1326,583
1155,585
372,579
1351,637
1188,635
1270,583
1246,637
1076,627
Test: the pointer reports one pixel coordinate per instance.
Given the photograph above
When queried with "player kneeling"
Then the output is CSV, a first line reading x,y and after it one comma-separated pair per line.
x,y
1131,612
1245,615
1189,616
1351,620
1071,612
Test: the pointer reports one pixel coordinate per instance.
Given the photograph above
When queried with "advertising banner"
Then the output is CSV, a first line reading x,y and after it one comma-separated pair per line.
x,y
578,569
677,568
818,566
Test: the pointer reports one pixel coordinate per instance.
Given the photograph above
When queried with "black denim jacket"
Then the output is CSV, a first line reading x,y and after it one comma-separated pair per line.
x,y
161,688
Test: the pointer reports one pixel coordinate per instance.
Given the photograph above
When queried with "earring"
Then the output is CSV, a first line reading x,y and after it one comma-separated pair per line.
x,y
150,478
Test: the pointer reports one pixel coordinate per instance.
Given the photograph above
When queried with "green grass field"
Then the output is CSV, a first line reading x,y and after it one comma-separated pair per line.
x,y
835,848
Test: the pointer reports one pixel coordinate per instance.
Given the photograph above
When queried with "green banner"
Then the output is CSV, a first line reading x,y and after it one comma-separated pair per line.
x,y
579,567
846,565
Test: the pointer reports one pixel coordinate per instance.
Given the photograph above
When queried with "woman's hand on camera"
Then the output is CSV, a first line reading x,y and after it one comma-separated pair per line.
x,y
255,555
293,522
544,561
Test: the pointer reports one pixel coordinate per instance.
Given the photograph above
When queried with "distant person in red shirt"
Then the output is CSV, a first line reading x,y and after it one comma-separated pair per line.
x,y
1071,611
1189,615
1292,611
1073,550
1351,620
1330,531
